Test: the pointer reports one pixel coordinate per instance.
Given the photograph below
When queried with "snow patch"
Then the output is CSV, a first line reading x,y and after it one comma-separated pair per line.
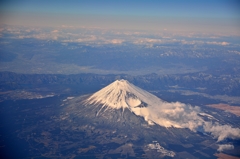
x,y
68,98
162,150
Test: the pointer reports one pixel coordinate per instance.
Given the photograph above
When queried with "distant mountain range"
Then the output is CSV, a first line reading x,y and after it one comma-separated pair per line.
x,y
203,82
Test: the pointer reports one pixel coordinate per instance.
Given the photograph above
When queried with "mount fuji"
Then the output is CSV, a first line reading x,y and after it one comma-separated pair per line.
x,y
136,119
121,95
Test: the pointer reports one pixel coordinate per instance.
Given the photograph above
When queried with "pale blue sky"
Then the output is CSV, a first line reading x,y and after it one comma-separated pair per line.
x,y
154,15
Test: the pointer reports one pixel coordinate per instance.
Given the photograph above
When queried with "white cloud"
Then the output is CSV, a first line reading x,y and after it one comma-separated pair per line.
x,y
147,40
222,132
218,43
55,31
185,116
87,39
199,42
180,115
103,36
224,43
116,41
225,147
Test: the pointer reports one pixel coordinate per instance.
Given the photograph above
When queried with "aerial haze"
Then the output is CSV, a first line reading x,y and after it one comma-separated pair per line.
x,y
143,31
179,16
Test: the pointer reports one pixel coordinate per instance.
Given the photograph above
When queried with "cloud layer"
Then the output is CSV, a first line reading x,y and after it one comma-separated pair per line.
x,y
225,147
222,132
103,36
181,115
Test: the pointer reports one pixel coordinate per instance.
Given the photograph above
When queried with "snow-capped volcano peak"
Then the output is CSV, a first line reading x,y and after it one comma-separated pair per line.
x,y
122,94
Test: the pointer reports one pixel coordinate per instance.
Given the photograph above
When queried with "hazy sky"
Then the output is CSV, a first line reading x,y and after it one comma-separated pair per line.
x,y
153,15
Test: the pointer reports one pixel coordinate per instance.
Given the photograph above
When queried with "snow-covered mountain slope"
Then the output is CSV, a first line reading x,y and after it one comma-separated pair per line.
x,y
123,95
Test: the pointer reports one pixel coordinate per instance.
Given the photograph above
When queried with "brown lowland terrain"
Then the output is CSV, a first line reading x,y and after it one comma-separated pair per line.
x,y
224,156
232,109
